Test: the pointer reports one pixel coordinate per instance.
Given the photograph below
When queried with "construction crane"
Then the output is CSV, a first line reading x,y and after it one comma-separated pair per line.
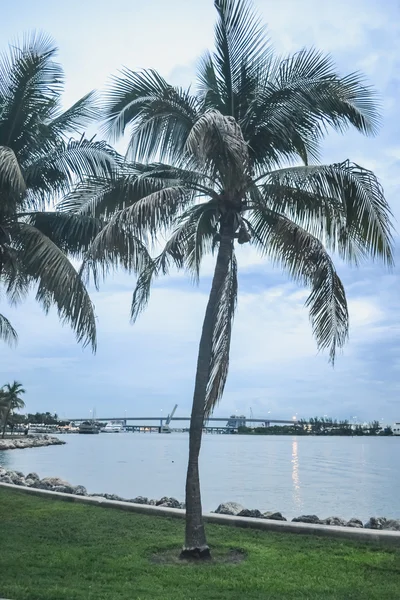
x,y
166,428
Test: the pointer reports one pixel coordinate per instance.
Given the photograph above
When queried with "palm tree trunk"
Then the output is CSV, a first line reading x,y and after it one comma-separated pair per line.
x,y
195,538
6,414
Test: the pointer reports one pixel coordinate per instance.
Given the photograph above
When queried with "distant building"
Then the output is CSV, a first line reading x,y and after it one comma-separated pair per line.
x,y
236,421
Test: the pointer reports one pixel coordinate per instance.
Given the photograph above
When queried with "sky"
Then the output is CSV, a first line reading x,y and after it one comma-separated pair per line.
x,y
275,369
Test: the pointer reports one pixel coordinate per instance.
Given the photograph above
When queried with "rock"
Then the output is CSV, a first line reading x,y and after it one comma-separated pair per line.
x,y
30,442
55,482
392,525
375,523
168,502
307,519
229,508
33,476
79,490
337,521
152,502
29,482
16,478
112,497
65,489
275,516
354,523
246,512
41,485
6,479
139,500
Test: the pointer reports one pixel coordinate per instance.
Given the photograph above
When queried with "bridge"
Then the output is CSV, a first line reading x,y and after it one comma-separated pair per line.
x,y
147,423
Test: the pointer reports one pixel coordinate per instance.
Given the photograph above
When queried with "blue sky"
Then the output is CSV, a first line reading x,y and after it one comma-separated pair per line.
x,y
275,368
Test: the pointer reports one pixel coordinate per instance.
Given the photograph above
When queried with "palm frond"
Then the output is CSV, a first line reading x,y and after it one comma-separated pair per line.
x,y
319,90
125,98
154,212
222,333
350,209
192,238
56,170
30,84
58,281
240,41
71,233
7,331
116,245
306,261
11,177
77,117
164,126
159,114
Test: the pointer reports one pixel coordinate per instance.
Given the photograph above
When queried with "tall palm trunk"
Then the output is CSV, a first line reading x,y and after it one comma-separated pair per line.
x,y
6,415
195,538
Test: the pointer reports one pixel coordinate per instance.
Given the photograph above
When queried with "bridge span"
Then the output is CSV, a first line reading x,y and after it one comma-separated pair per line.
x,y
232,420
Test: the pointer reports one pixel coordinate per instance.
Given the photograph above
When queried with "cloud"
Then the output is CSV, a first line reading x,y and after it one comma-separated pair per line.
x,y
275,367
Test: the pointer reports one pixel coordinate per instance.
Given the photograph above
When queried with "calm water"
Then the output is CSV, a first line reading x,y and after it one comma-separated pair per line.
x,y
348,477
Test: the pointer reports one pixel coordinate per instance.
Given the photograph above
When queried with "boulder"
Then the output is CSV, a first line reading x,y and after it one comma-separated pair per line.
x,y
168,502
41,485
375,523
112,497
253,513
354,523
139,500
16,478
79,490
336,521
152,502
275,516
65,489
29,482
6,479
307,519
33,476
55,481
229,508
392,524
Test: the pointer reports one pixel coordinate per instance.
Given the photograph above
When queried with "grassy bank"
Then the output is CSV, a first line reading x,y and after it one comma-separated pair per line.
x,y
52,550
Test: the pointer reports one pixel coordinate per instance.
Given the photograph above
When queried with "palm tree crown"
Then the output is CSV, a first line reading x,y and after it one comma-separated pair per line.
x,y
238,163
38,162
10,400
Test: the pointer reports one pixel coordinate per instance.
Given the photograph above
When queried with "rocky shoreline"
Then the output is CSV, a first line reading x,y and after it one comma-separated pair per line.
x,y
55,484
36,441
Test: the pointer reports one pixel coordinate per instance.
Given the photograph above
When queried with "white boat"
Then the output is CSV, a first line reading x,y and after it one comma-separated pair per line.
x,y
396,429
113,427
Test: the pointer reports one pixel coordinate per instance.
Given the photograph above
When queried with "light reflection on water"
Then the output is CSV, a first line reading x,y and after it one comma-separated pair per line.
x,y
295,475
347,477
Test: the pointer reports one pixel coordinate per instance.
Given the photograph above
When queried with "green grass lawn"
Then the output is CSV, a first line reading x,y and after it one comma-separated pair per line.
x,y
52,550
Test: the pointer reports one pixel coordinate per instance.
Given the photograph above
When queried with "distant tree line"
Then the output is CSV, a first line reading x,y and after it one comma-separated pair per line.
x,y
319,426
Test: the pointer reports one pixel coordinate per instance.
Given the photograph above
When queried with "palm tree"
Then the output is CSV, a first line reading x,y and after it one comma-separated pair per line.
x,y
10,400
38,163
238,163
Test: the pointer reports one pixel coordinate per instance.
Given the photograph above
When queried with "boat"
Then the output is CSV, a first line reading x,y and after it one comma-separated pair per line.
x,y
396,429
113,427
88,427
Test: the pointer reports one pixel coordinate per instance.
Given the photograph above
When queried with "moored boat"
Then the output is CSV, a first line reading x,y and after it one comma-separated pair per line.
x,y
88,427
113,427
